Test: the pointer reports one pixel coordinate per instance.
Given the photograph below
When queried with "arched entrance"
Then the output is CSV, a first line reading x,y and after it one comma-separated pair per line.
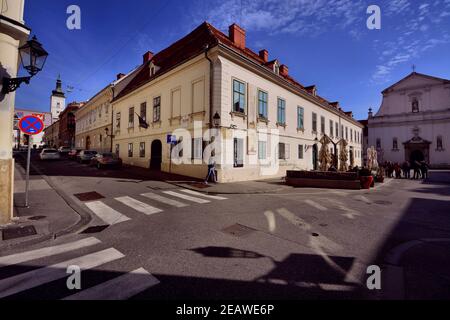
x,y
88,142
156,155
416,155
315,156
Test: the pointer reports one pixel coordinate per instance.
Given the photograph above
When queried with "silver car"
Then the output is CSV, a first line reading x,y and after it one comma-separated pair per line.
x,y
86,155
49,154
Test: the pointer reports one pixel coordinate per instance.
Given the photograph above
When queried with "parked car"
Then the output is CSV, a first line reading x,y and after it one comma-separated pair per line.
x,y
106,159
64,151
86,155
73,154
49,154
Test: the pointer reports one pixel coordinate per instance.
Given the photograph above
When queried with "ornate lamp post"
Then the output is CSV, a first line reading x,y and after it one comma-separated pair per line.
x,y
33,57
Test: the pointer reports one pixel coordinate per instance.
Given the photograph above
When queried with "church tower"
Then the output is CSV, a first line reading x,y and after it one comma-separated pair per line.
x,y
57,101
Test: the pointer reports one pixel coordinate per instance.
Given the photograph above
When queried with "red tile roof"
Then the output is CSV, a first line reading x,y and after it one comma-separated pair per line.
x,y
194,44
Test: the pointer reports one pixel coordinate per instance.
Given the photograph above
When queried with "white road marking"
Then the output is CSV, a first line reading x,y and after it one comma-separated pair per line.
x,y
349,213
46,252
202,194
271,221
106,213
34,278
120,288
292,218
138,205
316,205
363,199
164,200
186,197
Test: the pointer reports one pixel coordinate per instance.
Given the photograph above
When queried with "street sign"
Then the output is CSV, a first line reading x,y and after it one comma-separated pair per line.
x,y
172,139
31,125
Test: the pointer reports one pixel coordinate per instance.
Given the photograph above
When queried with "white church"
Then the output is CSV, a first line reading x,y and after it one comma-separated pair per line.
x,y
413,122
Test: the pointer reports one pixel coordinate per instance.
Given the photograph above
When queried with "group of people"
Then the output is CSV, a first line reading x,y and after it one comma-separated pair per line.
x,y
396,170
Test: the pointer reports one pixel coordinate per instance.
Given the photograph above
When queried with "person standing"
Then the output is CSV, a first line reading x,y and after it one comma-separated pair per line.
x,y
416,167
424,169
211,170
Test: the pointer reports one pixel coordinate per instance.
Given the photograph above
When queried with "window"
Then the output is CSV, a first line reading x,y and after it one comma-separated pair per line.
x,y
131,117
238,145
300,120
378,143
101,138
142,149
394,144
283,151
314,122
331,128
118,120
262,104
143,112
439,144
130,150
106,108
100,111
300,151
262,150
322,124
337,130
342,131
117,149
346,133
197,148
238,96
415,105
156,109
281,114
351,135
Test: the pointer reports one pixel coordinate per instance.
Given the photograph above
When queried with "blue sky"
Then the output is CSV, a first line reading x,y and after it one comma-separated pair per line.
x,y
324,42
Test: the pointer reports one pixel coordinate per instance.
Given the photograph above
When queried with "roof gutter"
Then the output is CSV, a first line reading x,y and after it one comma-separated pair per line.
x,y
211,77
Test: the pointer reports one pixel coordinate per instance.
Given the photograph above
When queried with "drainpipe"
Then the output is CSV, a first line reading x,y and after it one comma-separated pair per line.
x,y
112,120
211,77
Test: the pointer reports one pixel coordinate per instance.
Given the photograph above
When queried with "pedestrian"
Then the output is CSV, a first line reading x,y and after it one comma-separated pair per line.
x,y
424,169
406,170
416,167
211,170
398,171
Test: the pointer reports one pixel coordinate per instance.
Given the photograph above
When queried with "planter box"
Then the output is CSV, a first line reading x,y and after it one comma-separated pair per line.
x,y
322,179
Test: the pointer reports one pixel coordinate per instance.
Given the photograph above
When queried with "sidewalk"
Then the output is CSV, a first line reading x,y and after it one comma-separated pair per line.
x,y
50,214
244,187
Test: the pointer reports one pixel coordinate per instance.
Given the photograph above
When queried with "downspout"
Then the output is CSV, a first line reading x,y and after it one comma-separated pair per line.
x,y
112,120
211,77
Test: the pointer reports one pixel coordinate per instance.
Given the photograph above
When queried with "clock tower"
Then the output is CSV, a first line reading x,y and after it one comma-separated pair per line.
x,y
57,101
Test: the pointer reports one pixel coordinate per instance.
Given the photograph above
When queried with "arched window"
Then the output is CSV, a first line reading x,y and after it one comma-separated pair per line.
x,y
439,145
415,105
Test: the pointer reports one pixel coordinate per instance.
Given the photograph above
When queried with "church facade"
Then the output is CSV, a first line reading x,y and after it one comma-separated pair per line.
x,y
413,122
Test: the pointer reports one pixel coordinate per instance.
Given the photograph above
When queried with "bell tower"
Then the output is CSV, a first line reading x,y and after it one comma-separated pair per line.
x,y
57,100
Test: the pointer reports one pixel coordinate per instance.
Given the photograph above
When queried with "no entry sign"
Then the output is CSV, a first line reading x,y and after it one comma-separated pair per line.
x,y
31,125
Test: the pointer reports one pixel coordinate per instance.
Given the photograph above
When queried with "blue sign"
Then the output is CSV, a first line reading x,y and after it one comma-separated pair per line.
x,y
31,125
171,139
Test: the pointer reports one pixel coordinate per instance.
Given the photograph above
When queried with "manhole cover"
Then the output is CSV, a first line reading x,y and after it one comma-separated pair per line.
x,y
315,234
238,230
18,232
383,202
37,218
95,229
88,196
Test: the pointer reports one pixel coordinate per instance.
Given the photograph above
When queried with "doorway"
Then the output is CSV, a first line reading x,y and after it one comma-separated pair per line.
x,y
88,142
156,155
416,155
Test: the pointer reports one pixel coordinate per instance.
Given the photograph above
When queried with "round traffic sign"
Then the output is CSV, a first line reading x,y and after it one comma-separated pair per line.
x,y
31,125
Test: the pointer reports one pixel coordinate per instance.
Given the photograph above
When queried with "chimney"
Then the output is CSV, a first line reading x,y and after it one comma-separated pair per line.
x,y
370,113
147,57
284,70
120,76
237,35
264,54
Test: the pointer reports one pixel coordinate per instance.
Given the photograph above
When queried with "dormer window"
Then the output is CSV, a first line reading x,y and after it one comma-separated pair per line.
x,y
415,105
153,69
276,68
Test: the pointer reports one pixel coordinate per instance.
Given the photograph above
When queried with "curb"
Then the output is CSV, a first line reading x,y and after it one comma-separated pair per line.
x,y
84,216
220,192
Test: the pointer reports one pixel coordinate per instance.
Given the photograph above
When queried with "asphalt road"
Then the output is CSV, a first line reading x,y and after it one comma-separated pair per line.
x,y
153,240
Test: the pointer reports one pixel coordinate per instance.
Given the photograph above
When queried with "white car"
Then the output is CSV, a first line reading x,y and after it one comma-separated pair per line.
x,y
49,154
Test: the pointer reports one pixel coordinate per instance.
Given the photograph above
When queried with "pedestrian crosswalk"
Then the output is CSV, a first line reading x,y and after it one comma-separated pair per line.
x,y
148,203
120,287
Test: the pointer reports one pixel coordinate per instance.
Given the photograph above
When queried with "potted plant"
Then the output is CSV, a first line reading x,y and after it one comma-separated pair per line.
x,y
366,178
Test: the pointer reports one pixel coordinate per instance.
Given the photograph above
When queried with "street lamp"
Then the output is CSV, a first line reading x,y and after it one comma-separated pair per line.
x,y
33,57
216,119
